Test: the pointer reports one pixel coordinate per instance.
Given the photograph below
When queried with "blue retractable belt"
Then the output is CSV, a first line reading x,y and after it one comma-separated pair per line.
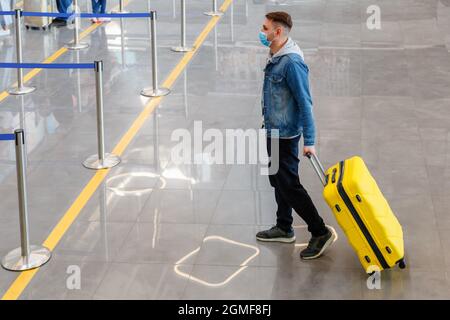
x,y
7,13
47,65
7,137
87,15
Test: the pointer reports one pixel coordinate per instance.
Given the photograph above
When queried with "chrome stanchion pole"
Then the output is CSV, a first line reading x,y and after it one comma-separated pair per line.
x,y
23,124
101,160
122,43
214,11
155,91
183,47
246,8
76,44
21,89
216,49
156,156
174,9
26,257
185,95
80,105
121,8
232,21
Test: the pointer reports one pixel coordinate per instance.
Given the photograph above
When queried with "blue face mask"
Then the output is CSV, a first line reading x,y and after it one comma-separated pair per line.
x,y
263,39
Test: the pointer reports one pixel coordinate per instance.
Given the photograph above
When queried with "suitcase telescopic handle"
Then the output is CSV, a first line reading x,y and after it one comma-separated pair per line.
x,y
317,167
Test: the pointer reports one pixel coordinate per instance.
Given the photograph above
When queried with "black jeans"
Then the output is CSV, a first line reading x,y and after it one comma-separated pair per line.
x,y
289,192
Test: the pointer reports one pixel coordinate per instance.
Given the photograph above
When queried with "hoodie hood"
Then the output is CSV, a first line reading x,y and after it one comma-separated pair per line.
x,y
289,47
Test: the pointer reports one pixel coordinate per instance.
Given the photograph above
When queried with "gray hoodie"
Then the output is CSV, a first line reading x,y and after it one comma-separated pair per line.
x,y
289,47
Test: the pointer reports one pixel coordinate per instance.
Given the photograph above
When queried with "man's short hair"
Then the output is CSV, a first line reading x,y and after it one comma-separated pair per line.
x,y
281,17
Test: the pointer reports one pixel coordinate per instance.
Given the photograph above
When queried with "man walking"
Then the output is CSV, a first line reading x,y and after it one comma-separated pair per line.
x,y
287,108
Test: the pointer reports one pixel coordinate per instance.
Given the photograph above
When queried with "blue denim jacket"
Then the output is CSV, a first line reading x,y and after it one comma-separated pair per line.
x,y
287,103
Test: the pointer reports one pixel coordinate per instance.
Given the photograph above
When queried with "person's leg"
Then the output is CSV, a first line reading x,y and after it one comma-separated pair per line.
x,y
59,5
96,9
6,21
292,190
282,231
69,6
102,10
296,196
93,3
63,7
95,6
284,212
2,21
103,6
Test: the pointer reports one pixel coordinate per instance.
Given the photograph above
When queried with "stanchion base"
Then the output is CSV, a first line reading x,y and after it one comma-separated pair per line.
x,y
21,91
182,49
94,163
213,13
79,46
14,261
150,92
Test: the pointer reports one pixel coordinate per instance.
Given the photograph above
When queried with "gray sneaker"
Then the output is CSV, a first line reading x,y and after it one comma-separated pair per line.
x,y
276,234
318,245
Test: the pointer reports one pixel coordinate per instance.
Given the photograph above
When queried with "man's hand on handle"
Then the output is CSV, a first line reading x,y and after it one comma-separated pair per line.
x,y
309,150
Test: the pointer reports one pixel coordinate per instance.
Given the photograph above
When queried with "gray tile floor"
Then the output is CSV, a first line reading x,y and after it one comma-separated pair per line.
x,y
156,230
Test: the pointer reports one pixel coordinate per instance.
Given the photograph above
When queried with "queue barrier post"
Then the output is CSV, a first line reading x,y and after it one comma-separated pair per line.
x,y
154,91
27,256
76,44
101,160
121,8
21,89
214,11
183,47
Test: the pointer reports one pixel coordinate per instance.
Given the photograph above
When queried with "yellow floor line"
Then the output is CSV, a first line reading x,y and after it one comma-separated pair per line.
x,y
22,281
30,75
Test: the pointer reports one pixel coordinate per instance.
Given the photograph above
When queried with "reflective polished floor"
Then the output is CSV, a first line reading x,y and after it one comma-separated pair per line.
x,y
157,230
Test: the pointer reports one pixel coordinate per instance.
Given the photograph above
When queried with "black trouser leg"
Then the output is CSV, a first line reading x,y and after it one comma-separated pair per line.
x,y
290,193
284,213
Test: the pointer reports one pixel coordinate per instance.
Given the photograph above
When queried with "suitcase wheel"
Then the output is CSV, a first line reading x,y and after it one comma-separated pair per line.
x,y
402,264
27,27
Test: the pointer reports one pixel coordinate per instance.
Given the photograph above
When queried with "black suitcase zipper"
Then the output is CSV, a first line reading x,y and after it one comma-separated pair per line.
x,y
358,219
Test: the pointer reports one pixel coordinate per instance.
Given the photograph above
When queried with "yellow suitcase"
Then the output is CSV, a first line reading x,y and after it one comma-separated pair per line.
x,y
363,213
